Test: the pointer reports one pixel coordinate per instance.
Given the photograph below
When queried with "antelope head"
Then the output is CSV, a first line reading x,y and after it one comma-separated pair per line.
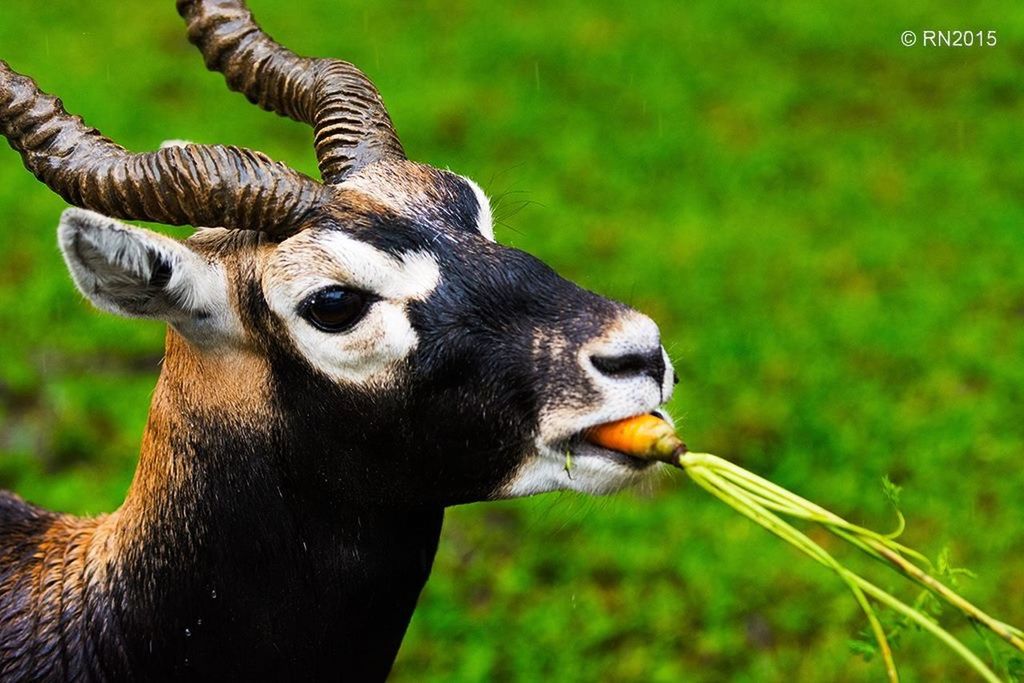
x,y
366,324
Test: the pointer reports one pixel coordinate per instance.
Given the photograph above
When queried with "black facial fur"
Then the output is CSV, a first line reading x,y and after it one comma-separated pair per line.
x,y
456,203
463,412
281,522
295,538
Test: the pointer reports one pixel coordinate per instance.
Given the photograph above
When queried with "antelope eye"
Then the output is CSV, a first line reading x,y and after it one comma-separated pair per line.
x,y
335,309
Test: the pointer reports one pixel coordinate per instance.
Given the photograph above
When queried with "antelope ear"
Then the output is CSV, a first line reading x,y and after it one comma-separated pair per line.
x,y
138,273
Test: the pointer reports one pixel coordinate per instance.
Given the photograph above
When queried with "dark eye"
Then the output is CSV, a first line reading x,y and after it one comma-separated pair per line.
x,y
335,309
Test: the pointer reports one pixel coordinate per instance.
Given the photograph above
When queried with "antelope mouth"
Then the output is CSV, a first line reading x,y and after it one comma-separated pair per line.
x,y
579,446
568,461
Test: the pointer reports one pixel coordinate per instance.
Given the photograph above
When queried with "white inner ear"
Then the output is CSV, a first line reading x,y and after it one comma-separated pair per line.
x,y
484,219
175,143
369,352
113,265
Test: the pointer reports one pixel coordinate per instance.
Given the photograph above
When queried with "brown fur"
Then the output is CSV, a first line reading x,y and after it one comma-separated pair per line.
x,y
59,573
281,522
54,567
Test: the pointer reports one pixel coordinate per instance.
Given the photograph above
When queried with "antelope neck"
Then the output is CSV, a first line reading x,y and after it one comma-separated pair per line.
x,y
227,561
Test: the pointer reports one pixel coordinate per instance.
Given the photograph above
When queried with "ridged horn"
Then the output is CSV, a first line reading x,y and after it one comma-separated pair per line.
x,y
200,185
351,126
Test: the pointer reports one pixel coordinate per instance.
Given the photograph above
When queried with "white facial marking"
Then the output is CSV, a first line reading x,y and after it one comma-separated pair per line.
x,y
615,397
368,352
484,219
611,398
546,472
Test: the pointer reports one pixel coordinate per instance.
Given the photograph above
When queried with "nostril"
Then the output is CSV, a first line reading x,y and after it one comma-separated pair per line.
x,y
629,365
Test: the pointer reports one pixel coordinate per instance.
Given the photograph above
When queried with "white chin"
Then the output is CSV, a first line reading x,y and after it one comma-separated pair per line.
x,y
590,470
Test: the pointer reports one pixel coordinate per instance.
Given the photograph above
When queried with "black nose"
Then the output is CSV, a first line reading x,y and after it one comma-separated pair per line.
x,y
630,365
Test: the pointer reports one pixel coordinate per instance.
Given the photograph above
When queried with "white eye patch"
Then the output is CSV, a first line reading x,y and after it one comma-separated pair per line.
x,y
369,352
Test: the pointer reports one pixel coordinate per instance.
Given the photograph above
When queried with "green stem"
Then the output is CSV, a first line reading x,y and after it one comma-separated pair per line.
x,y
737,499
929,625
811,511
706,472
879,546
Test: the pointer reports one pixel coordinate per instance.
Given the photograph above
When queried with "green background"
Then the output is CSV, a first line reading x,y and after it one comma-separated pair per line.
x,y
829,227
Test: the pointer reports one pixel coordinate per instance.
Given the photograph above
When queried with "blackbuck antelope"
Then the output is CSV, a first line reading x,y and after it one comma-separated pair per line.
x,y
344,359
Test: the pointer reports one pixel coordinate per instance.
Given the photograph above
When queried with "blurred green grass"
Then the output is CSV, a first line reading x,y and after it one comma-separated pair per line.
x,y
828,226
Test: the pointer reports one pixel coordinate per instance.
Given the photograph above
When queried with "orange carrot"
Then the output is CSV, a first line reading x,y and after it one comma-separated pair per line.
x,y
643,436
